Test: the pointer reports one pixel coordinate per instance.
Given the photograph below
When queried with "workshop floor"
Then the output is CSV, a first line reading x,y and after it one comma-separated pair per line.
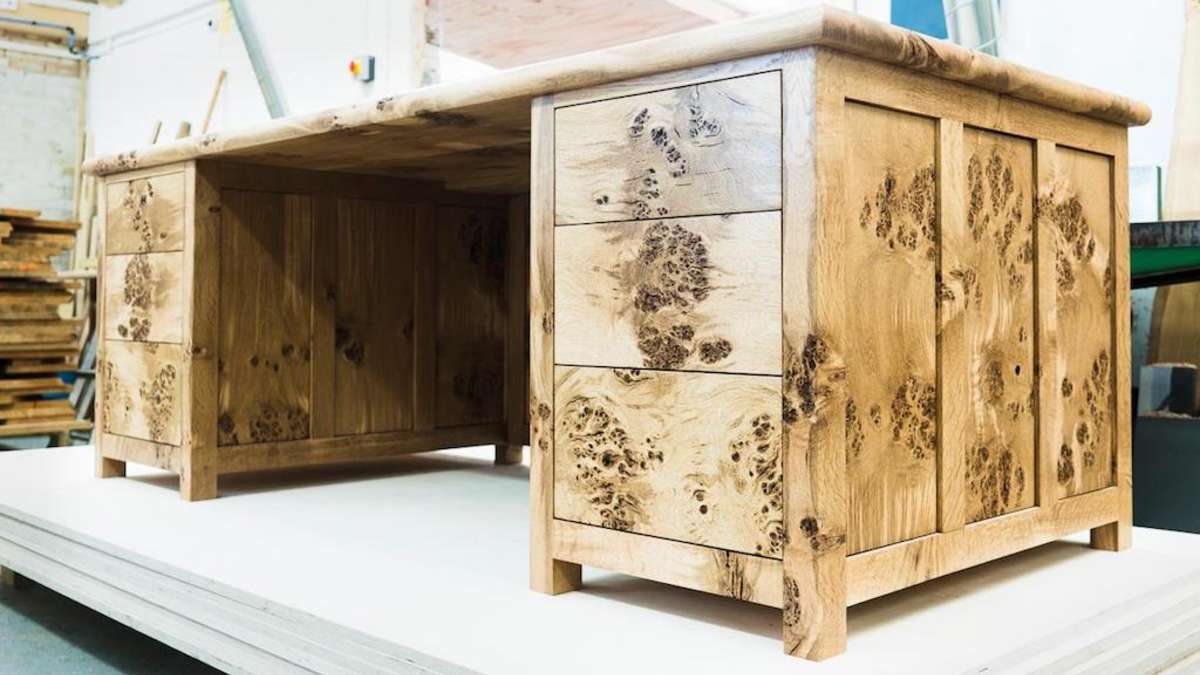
x,y
42,632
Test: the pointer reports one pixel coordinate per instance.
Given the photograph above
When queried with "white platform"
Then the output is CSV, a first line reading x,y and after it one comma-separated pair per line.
x,y
419,565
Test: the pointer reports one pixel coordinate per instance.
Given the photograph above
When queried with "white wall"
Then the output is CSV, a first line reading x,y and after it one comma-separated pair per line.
x,y
1130,47
159,59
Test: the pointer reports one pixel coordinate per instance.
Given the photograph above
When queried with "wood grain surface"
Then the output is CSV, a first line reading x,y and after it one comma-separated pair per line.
x,y
144,297
705,149
890,350
471,311
682,294
1077,212
373,339
265,336
140,392
986,295
145,214
693,457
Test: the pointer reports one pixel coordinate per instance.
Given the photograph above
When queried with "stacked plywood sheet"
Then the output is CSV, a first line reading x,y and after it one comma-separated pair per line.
x,y
36,344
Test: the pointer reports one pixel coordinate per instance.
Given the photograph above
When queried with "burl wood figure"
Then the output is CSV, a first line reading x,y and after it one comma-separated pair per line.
x,y
258,317
820,308
814,326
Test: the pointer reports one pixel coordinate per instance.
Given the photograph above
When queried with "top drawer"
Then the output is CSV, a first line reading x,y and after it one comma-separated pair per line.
x,y
706,149
145,214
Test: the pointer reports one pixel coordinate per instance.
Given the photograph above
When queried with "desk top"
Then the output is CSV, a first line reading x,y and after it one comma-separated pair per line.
x,y
475,134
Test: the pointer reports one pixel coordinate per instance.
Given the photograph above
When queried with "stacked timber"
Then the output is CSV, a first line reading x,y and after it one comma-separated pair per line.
x,y
36,343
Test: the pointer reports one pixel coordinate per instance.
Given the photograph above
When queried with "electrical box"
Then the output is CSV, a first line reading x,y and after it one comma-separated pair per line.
x,y
362,68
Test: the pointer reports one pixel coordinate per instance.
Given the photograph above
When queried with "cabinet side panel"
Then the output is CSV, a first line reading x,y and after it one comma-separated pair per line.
x,y
1078,213
890,339
265,344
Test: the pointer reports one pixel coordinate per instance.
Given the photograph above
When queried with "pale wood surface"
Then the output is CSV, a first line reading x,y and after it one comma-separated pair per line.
x,y
708,148
1078,211
814,339
987,325
683,294
686,456
393,134
889,350
145,297
198,465
140,390
145,214
265,346
373,338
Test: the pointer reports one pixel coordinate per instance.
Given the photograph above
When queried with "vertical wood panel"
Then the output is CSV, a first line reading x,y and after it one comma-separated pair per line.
x,y
1078,212
471,255
516,354
890,338
546,575
266,312
954,374
814,321
425,313
986,294
1119,535
201,298
1050,367
324,315
374,328
146,214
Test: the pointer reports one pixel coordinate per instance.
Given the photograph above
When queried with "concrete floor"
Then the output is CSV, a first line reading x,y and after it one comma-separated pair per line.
x,y
42,632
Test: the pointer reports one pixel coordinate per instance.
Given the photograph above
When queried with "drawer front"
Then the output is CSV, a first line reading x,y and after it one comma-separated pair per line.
x,y
145,214
141,390
682,294
704,149
143,298
694,457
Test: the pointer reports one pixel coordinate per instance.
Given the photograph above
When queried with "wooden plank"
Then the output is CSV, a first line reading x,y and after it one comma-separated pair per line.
x,y
309,452
472,311
547,574
140,390
890,341
712,570
516,342
324,316
681,294
202,268
7,212
816,413
374,324
145,214
50,408
145,297
265,341
1118,536
693,457
38,428
139,451
706,149
425,311
1078,213
986,296
1050,364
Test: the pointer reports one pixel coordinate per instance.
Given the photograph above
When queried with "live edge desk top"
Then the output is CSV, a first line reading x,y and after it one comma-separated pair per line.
x,y
474,135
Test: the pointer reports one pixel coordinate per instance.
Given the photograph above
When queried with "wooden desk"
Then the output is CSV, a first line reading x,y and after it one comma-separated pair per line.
x,y
819,308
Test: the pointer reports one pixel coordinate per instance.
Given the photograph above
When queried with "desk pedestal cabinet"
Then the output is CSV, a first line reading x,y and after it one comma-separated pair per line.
x,y
808,329
256,317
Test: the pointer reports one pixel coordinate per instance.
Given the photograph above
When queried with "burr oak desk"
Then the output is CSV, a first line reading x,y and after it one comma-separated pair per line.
x,y
819,308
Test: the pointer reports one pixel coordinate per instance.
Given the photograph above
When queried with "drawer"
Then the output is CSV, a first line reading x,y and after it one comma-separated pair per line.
x,y
145,214
694,457
681,294
703,149
143,297
140,389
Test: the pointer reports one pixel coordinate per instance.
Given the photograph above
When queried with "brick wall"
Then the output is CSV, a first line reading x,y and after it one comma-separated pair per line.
x,y
39,132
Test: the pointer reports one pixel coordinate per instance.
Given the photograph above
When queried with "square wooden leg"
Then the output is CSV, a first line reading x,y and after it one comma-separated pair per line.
x,y
197,480
1116,536
107,467
557,576
509,454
